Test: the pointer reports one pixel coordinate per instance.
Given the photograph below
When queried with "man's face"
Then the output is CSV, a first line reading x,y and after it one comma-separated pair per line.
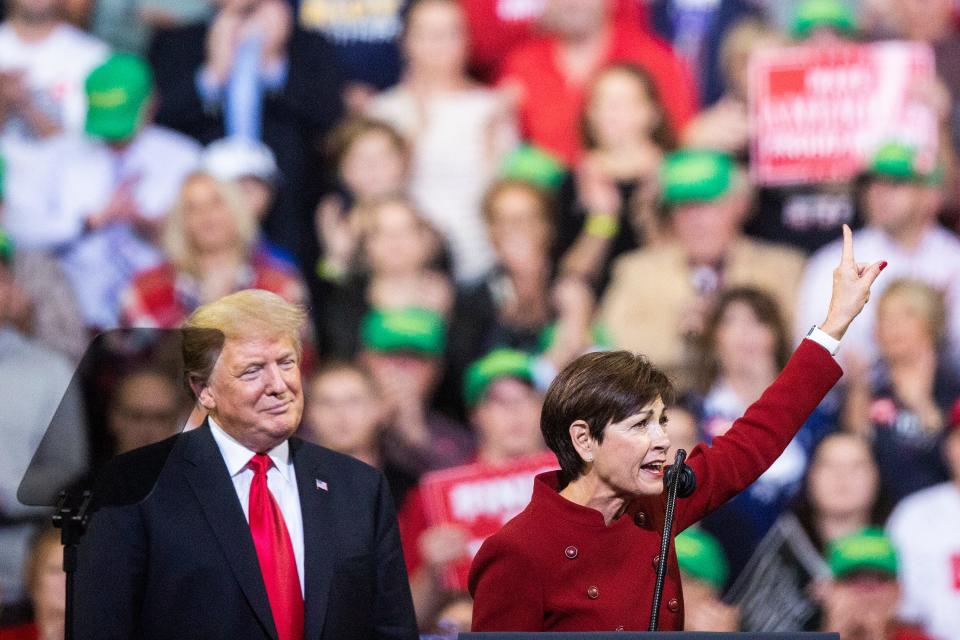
x,y
705,230
343,412
254,392
630,460
575,18
508,419
893,205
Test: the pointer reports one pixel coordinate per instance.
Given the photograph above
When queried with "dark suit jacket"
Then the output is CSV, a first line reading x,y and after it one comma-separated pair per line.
x,y
181,563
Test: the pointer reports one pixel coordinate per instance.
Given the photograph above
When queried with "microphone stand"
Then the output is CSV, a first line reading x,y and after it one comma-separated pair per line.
x,y
680,482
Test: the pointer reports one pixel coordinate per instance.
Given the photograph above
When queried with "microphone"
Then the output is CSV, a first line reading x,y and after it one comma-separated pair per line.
x,y
682,474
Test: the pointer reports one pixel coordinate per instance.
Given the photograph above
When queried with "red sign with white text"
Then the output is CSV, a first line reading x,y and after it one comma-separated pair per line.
x,y
480,498
818,114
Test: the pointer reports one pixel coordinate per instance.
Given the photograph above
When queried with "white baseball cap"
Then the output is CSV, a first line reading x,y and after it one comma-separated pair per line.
x,y
239,157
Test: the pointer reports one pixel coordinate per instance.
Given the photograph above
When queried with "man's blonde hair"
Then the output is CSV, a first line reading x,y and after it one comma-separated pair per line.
x,y
250,313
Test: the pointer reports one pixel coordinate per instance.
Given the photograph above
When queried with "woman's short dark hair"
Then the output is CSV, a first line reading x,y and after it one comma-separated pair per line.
x,y
598,388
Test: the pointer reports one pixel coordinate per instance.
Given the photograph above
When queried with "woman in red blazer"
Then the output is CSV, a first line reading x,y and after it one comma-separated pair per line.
x,y
582,555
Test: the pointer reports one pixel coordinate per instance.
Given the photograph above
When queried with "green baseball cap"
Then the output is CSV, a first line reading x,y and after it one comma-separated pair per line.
x,y
499,363
814,14
533,164
413,329
866,550
696,175
6,247
117,92
701,557
897,161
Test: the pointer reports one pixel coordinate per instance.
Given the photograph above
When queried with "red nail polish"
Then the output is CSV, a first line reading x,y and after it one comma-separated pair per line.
x,y
883,265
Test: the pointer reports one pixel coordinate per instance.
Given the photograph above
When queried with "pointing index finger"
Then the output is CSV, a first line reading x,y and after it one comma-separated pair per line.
x,y
847,256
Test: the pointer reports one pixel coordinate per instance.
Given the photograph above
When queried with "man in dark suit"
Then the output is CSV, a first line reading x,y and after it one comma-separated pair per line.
x,y
247,533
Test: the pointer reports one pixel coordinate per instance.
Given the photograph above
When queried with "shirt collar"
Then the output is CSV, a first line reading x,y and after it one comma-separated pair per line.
x,y
238,456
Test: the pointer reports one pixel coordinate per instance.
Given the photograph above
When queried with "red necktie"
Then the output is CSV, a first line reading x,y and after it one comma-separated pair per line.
x,y
275,553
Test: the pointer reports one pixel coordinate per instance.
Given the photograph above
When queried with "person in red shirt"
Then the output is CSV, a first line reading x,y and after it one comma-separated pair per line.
x,y
582,555
548,75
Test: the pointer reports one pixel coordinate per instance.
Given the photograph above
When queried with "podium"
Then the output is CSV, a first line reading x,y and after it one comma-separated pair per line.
x,y
644,635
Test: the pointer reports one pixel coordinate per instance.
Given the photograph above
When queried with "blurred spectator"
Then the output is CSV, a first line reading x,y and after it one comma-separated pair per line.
x,y
703,569
549,74
860,602
35,382
459,132
778,590
209,239
252,165
345,412
146,407
251,72
403,349
924,529
683,428
44,63
521,301
696,28
724,125
106,194
608,204
46,585
365,35
40,302
392,267
745,346
372,162
900,204
901,403
707,197
504,410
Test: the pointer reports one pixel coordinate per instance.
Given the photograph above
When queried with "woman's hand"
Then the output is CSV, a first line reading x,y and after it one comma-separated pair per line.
x,y
851,288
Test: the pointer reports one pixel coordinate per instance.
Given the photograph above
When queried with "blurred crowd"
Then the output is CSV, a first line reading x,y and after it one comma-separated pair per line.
x,y
467,195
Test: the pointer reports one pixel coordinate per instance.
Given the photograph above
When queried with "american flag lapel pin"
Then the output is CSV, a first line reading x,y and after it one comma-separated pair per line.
x,y
321,485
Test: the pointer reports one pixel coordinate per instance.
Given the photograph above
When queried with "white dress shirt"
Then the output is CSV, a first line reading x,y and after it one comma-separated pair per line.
x,y
281,480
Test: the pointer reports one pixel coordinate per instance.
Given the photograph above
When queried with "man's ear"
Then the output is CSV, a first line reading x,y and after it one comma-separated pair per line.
x,y
582,441
202,391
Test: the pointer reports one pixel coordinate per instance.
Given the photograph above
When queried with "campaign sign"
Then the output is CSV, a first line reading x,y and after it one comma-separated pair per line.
x,y
480,498
819,113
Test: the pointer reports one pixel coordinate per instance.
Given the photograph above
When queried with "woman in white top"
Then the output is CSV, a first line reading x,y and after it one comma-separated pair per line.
x,y
459,130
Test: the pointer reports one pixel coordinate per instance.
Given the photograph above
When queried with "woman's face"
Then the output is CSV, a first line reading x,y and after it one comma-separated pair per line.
x,y
343,413
620,109
436,39
630,460
396,242
518,229
843,477
207,221
373,167
742,340
902,327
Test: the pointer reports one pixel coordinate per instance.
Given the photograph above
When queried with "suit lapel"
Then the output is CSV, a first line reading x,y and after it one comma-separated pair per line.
x,y
319,536
207,474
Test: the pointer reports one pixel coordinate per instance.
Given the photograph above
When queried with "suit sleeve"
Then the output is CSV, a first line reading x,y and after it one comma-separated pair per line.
x,y
756,440
393,607
505,586
111,574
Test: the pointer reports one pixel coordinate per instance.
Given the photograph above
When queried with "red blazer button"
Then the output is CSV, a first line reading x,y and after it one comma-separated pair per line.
x,y
641,519
593,593
571,552
673,604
